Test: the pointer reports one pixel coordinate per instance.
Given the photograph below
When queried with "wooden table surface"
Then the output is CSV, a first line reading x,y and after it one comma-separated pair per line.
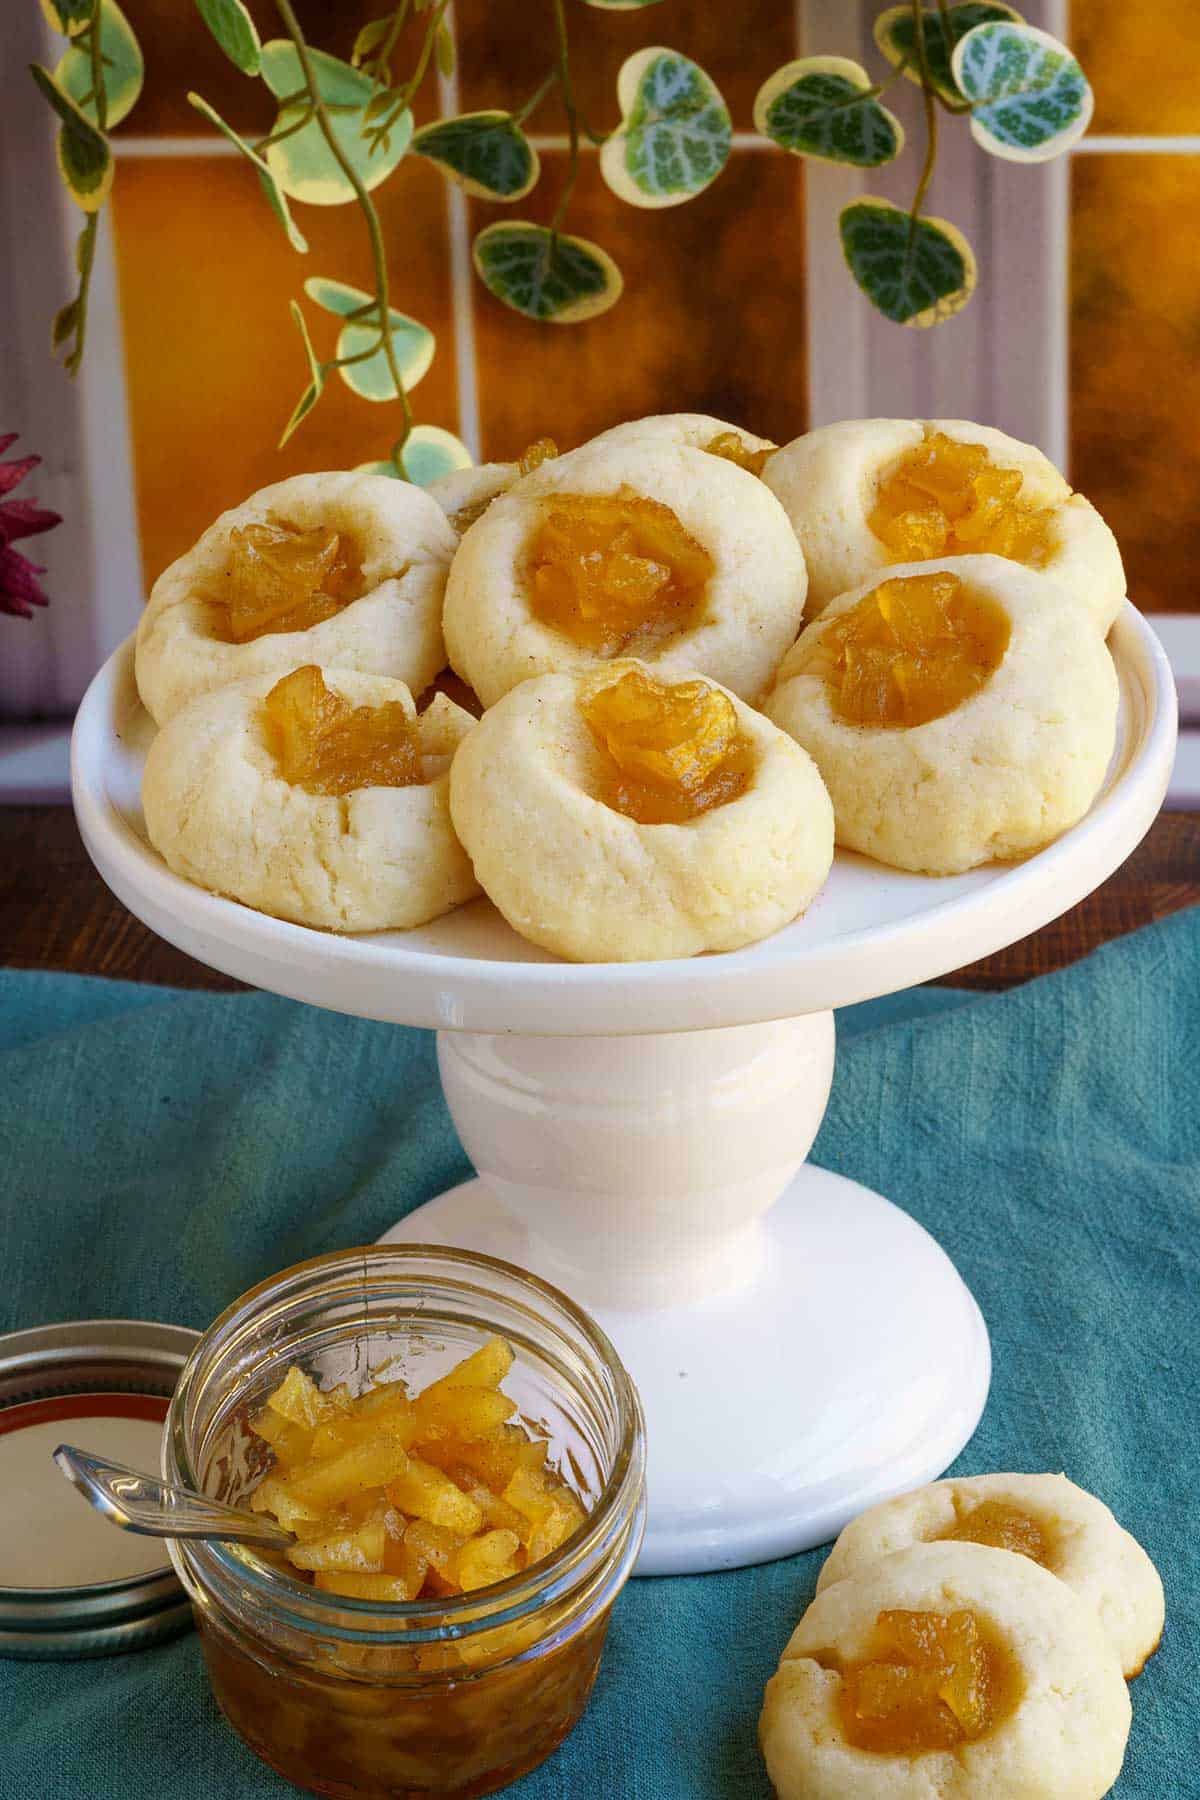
x,y
56,913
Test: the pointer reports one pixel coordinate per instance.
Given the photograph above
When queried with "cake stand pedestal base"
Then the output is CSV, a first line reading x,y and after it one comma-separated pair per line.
x,y
800,1354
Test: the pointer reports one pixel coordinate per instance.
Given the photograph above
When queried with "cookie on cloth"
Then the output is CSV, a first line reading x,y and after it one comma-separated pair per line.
x,y
321,797
946,1672
960,712
346,570
1044,1517
653,550
698,431
625,813
869,492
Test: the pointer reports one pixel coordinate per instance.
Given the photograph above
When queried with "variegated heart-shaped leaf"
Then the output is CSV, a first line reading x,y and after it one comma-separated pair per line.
x,y
896,37
487,153
675,133
1030,100
915,271
85,161
546,275
123,69
825,106
428,454
303,164
235,31
370,375
70,17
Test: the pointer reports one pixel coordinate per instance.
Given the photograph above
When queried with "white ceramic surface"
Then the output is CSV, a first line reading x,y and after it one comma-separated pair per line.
x,y
798,1360
870,931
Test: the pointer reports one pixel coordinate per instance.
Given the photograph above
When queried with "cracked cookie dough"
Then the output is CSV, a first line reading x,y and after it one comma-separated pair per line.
x,y
1017,758
364,556
1044,1517
642,549
949,1670
839,481
562,834
221,813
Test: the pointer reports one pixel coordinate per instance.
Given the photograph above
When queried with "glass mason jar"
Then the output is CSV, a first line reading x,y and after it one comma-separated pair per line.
x,y
450,1696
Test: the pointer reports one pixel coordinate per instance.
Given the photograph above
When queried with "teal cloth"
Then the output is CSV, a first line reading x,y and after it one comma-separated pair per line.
x,y
163,1151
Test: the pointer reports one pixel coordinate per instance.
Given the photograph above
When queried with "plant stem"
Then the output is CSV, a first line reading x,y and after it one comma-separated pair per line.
x,y
572,112
98,87
431,30
384,54
535,99
931,118
366,204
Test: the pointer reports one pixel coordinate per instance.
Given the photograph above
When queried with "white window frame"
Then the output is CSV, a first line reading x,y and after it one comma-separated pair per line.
x,y
1004,359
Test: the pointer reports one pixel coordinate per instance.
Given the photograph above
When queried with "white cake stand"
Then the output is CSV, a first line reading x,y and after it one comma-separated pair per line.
x,y
802,1347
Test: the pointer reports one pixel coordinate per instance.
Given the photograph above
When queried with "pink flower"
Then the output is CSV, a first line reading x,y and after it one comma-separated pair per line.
x,y
20,589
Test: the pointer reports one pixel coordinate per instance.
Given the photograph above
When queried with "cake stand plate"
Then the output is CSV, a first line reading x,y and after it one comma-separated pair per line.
x,y
803,1348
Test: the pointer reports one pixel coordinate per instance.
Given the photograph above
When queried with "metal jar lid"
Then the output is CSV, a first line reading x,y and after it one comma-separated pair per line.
x,y
106,1384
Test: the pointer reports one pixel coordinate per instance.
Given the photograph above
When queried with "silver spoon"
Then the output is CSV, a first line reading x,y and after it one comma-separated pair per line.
x,y
142,1503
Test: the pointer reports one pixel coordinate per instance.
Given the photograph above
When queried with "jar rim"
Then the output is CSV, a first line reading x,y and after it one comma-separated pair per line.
x,y
617,1505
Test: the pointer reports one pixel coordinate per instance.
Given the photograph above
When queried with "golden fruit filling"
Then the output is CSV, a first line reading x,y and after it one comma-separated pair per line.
x,y
327,746
913,649
393,1496
1003,1527
615,572
281,578
932,1682
670,751
730,448
949,499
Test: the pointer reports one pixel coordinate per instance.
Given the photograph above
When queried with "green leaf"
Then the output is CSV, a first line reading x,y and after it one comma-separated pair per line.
x,y
487,153
70,17
369,38
559,279
895,36
270,186
675,133
916,274
336,296
1030,98
123,68
84,158
313,391
65,321
429,453
413,345
235,31
303,164
822,106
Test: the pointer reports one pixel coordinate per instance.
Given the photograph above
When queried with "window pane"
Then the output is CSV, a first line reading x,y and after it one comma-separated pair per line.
x,y
1135,365
1142,61
506,47
712,320
214,363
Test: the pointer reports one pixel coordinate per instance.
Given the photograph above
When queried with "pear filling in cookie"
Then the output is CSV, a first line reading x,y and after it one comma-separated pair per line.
x,y
946,498
933,1682
1003,1527
282,578
670,752
912,650
616,572
323,744
730,448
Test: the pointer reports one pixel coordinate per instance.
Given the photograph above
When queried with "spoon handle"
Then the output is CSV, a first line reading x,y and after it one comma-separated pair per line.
x,y
142,1503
